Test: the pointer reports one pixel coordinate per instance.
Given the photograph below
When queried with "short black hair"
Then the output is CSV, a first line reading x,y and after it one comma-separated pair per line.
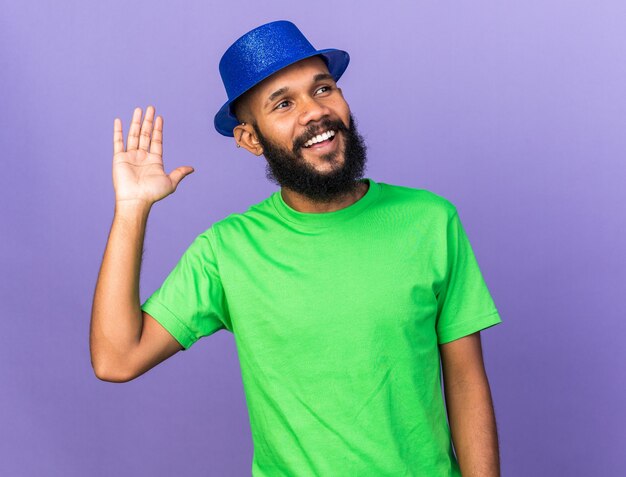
x,y
239,108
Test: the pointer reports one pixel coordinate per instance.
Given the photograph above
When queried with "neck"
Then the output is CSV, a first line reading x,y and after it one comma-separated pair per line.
x,y
302,203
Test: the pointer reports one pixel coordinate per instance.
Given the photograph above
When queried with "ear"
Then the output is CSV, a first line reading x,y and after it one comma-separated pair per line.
x,y
245,137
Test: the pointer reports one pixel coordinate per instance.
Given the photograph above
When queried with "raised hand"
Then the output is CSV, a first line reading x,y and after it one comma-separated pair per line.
x,y
138,174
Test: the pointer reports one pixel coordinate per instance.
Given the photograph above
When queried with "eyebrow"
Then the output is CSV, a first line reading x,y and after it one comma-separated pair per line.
x,y
284,89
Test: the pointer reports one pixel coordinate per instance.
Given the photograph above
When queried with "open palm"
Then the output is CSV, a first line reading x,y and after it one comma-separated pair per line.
x,y
138,173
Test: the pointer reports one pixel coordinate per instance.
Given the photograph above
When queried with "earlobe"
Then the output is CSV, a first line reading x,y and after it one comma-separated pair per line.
x,y
247,139
259,149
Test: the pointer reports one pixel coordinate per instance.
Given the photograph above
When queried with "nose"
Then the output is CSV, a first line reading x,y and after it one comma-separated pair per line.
x,y
312,110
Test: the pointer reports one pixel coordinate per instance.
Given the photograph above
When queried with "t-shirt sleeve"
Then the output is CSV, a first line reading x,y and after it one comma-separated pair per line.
x,y
191,302
465,305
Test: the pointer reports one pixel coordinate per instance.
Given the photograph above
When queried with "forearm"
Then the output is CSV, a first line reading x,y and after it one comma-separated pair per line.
x,y
473,427
116,318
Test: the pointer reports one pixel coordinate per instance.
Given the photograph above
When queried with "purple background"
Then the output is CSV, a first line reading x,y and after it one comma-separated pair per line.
x,y
514,112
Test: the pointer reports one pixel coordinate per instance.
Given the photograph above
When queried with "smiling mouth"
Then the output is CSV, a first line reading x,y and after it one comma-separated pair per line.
x,y
320,140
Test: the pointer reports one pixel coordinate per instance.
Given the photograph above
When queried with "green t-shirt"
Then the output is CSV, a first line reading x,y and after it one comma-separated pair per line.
x,y
337,318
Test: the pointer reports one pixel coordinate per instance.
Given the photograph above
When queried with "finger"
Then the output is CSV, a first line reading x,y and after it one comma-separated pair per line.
x,y
118,136
133,133
156,146
146,129
179,173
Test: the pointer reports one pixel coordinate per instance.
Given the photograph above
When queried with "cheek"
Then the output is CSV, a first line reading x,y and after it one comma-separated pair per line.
x,y
279,132
342,110
284,134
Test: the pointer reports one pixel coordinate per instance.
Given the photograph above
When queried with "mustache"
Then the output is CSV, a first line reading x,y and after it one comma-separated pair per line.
x,y
336,125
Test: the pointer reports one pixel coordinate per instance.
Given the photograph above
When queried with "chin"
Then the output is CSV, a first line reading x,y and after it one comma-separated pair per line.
x,y
322,164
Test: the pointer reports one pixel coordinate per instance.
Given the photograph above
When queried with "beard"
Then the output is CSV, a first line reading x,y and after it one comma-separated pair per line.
x,y
288,168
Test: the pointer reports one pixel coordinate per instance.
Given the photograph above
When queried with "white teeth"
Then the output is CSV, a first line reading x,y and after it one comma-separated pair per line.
x,y
319,138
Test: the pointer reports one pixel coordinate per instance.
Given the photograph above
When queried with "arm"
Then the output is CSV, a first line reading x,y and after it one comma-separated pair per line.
x,y
470,407
124,341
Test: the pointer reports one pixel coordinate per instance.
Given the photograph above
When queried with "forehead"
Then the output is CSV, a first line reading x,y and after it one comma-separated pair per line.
x,y
300,71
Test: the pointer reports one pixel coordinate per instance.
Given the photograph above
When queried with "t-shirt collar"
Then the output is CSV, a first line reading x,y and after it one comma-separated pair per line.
x,y
326,219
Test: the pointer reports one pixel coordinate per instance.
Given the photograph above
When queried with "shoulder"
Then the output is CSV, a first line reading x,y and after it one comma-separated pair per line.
x,y
255,217
417,199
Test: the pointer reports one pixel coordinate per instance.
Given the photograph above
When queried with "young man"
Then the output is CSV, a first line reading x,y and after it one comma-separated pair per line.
x,y
343,294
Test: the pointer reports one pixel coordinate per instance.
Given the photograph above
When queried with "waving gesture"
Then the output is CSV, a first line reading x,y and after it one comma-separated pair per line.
x,y
138,173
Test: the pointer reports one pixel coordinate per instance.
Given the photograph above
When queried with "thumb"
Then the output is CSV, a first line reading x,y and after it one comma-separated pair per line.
x,y
179,173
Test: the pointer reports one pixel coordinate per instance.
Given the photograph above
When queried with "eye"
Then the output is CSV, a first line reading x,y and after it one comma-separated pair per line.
x,y
328,88
278,105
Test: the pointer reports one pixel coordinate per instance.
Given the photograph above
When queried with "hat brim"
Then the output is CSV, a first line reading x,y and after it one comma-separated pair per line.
x,y
336,61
